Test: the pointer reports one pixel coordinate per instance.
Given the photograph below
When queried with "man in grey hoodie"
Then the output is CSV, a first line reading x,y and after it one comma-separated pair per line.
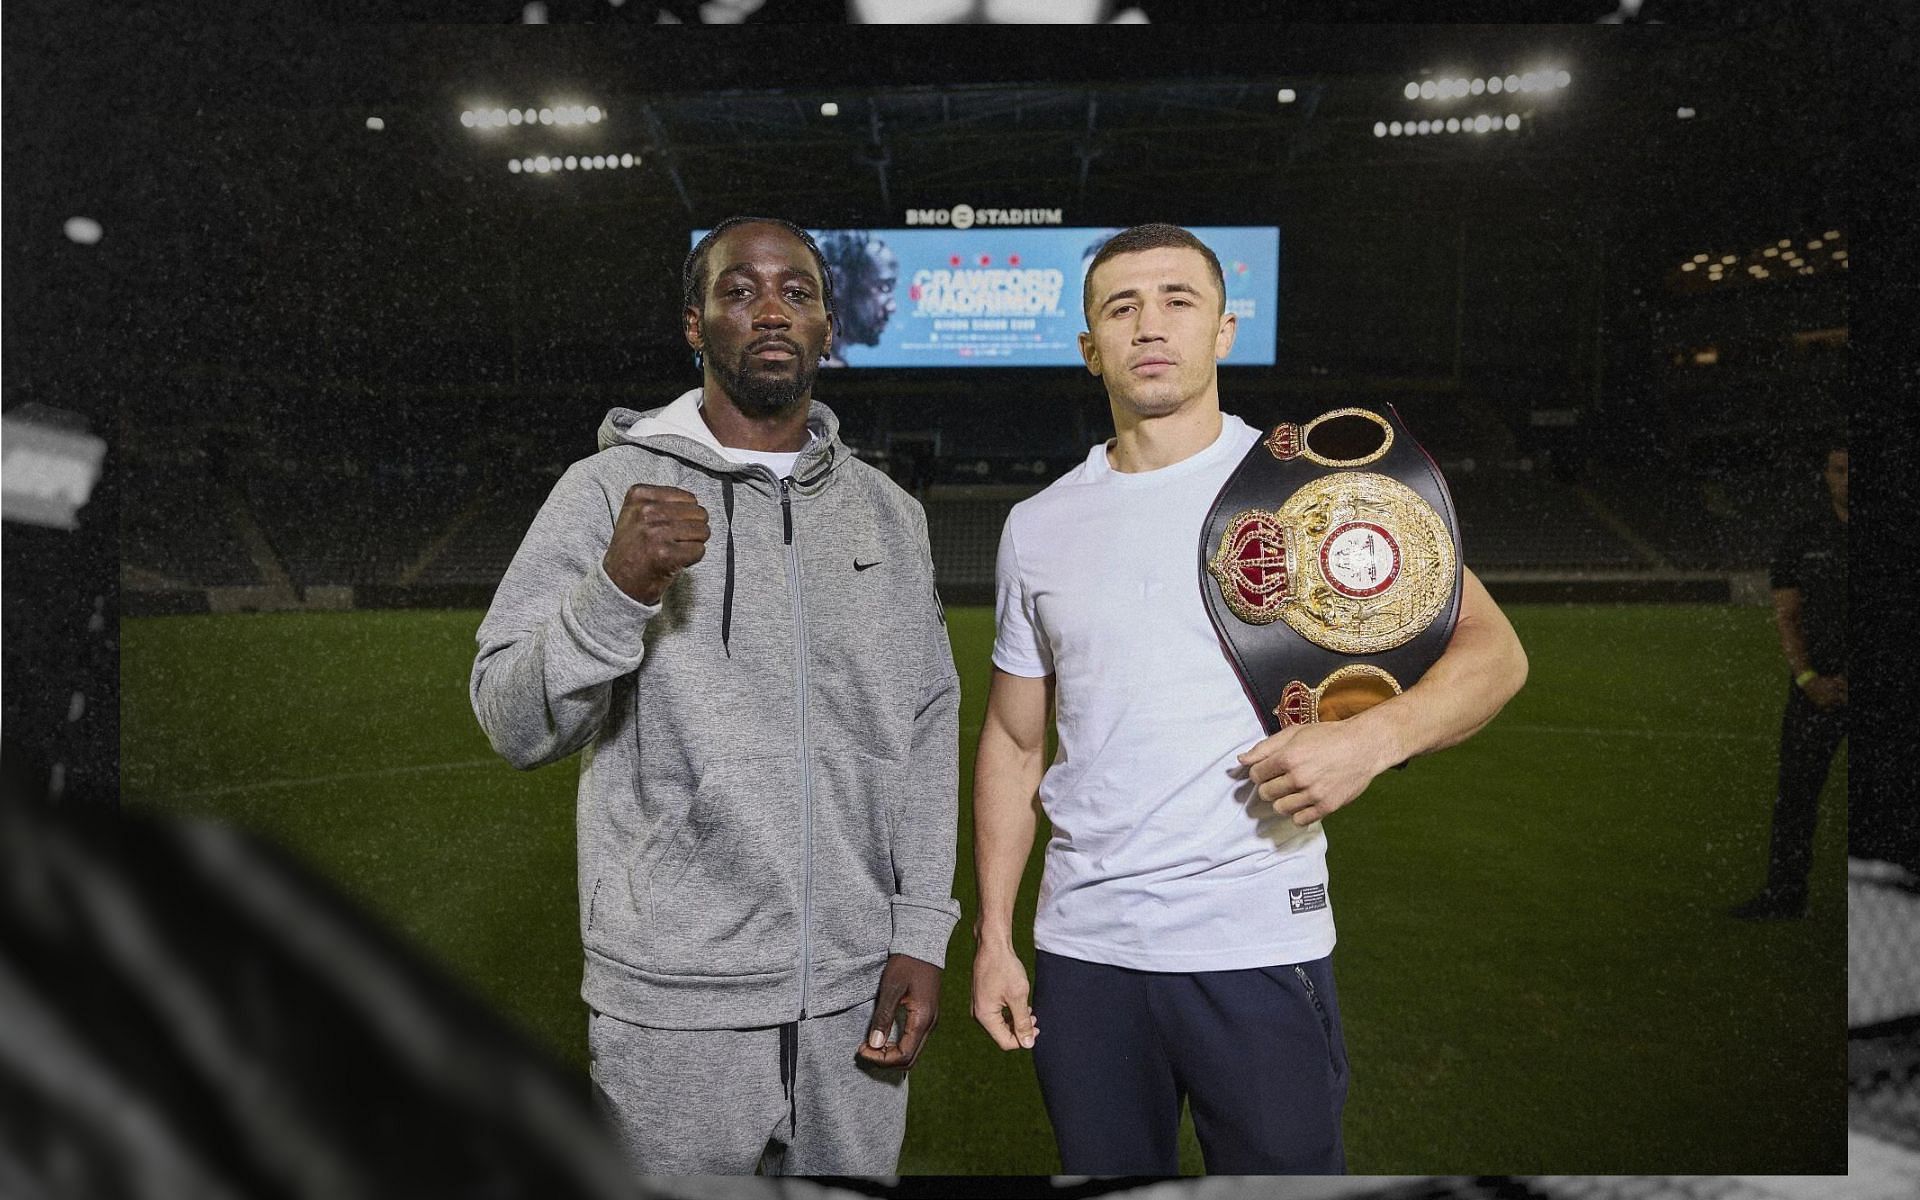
x,y
736,622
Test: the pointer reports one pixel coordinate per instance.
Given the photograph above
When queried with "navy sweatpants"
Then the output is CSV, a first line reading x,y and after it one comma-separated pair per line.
x,y
1257,1054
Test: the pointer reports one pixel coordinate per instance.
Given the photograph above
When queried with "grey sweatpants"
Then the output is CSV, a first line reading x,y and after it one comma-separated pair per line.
x,y
790,1100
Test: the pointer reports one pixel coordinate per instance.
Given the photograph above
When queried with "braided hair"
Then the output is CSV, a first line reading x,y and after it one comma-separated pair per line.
x,y
693,276
694,273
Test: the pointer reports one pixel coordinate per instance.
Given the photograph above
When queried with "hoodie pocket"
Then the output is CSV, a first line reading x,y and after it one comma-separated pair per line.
x,y
854,796
724,896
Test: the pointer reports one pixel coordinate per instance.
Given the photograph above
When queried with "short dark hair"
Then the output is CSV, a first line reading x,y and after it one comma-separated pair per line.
x,y
693,275
1156,235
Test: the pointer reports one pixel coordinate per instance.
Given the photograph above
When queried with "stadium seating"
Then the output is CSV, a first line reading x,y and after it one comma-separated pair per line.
x,y
478,550
333,529
444,527
1521,519
174,525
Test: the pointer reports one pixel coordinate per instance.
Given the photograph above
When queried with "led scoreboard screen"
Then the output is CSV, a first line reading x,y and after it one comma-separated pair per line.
x,y
1000,297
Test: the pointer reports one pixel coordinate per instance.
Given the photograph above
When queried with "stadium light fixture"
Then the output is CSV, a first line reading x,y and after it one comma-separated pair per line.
x,y
1483,123
1684,114
1288,96
1454,88
829,109
1689,266
376,124
545,164
501,118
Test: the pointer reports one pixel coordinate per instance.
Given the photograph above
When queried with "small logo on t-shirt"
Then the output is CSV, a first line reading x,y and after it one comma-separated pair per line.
x,y
1307,899
860,566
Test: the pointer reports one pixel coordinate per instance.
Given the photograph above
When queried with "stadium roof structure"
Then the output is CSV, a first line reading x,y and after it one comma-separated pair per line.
x,y
297,188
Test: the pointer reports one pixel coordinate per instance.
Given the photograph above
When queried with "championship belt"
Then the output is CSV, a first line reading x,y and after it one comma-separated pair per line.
x,y
1330,565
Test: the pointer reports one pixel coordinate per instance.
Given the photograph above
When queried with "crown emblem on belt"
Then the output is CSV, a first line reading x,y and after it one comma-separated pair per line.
x,y
1355,562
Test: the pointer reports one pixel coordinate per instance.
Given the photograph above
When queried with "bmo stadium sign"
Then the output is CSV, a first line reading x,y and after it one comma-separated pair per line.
x,y
965,216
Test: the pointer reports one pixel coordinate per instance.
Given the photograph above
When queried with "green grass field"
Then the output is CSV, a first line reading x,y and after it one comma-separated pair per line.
x,y
1536,971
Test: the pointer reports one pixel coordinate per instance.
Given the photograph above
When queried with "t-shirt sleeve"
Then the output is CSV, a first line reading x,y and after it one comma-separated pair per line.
x,y
1018,646
1784,571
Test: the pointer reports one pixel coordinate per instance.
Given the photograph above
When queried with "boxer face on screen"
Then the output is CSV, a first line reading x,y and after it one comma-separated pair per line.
x,y
1156,328
868,303
763,323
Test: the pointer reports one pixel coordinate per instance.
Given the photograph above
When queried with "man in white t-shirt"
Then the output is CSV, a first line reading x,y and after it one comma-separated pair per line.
x,y
1183,934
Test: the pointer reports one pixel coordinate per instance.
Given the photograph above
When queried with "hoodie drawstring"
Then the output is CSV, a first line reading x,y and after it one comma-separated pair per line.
x,y
726,597
726,502
790,1073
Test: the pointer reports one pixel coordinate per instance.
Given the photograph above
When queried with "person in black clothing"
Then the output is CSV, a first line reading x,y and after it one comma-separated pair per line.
x,y
1809,578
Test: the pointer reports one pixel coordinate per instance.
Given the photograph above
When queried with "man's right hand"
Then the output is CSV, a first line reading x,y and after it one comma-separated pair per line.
x,y
660,532
1000,994
1827,691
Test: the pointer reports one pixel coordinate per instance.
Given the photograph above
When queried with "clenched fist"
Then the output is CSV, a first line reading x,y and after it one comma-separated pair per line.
x,y
660,532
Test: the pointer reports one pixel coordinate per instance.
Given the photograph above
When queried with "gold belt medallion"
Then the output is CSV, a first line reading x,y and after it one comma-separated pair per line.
x,y
1356,562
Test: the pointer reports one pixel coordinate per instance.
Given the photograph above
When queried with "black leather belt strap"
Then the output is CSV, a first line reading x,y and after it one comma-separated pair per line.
x,y
1330,564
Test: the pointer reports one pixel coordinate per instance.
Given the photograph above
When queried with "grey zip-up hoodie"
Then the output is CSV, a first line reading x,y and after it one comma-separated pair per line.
x,y
768,792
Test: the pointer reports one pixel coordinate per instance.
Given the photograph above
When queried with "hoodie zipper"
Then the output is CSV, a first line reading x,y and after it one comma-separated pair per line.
x,y
806,760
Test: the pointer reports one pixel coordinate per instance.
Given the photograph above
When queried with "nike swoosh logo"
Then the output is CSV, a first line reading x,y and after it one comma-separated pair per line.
x,y
860,566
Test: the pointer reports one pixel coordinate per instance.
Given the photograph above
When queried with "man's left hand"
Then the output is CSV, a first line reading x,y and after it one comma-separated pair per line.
x,y
1308,771
908,983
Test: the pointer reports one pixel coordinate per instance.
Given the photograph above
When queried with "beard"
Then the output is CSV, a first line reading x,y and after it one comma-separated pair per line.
x,y
759,395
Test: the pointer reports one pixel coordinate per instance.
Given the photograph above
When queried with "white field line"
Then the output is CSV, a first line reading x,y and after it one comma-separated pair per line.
x,y
1622,731
262,785
474,763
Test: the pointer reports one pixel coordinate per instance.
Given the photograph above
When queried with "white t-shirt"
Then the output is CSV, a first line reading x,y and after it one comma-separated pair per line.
x,y
1161,858
778,461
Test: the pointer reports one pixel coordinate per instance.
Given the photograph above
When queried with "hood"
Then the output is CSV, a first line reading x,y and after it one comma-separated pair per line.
x,y
679,430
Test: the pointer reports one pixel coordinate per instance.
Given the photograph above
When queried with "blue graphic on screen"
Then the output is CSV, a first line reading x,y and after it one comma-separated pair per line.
x,y
1009,297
